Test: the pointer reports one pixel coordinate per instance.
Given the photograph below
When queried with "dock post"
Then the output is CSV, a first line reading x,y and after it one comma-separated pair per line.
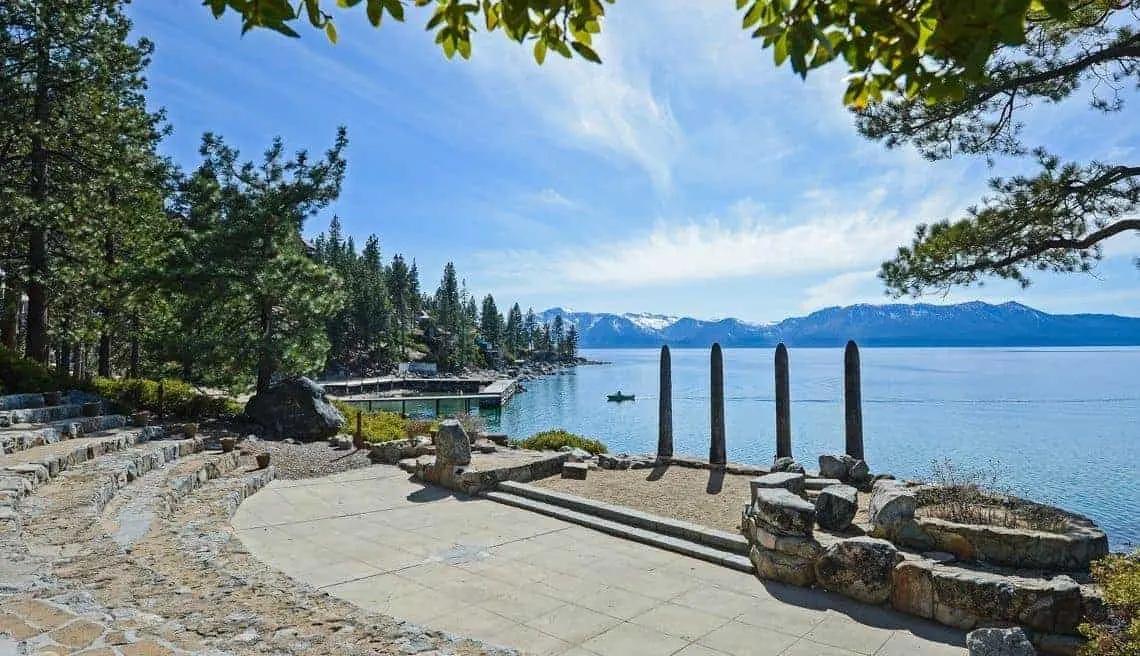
x,y
783,404
717,455
665,407
853,400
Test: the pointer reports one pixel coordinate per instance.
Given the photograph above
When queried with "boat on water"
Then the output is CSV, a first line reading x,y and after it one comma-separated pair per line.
x,y
619,397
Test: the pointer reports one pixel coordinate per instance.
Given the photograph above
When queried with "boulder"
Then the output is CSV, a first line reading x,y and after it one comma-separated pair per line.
x,y
789,481
782,567
297,408
786,464
783,513
835,507
452,446
999,642
576,454
832,467
892,504
859,568
859,472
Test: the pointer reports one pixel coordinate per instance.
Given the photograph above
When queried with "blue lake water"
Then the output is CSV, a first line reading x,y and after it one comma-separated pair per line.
x,y
1063,425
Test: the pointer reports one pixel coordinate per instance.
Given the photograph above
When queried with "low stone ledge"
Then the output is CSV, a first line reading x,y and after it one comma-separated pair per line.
x,y
486,470
790,481
648,461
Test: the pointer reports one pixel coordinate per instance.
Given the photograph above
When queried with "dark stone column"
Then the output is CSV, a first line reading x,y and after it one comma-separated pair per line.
x,y
783,404
665,407
717,454
853,400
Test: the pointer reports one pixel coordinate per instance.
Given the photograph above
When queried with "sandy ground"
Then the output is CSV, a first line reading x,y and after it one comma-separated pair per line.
x,y
306,460
700,496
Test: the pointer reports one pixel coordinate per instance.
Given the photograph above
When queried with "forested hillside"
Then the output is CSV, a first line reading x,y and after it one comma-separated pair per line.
x,y
118,261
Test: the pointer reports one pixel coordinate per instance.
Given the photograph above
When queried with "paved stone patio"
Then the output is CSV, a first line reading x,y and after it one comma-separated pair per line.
x,y
518,579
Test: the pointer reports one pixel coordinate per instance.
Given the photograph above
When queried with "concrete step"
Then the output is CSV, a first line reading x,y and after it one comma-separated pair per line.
x,y
709,537
625,531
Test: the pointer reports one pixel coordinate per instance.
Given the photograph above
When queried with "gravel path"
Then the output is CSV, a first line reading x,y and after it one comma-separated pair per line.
x,y
694,495
306,460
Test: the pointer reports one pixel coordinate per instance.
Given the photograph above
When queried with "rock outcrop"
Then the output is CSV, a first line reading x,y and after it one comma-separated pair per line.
x,y
297,408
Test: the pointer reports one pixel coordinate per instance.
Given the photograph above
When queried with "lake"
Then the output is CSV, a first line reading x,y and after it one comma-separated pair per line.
x,y
1062,425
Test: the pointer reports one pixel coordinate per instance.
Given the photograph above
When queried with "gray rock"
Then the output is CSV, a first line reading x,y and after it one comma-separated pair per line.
x,y
820,483
859,568
575,470
835,507
859,472
783,567
295,407
832,467
789,481
999,642
892,503
787,465
452,446
782,513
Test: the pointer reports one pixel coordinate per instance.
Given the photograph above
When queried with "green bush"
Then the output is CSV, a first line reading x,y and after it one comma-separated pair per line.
x,y
375,426
1119,633
552,440
19,375
179,399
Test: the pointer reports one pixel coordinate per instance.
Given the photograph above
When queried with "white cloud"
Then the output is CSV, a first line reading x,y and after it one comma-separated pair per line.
x,y
844,289
708,250
552,198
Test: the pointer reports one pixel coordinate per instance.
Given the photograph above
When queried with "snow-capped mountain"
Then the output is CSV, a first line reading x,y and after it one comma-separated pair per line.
x,y
965,324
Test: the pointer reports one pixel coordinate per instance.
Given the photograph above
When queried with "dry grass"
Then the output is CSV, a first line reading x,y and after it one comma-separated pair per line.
x,y
968,496
699,496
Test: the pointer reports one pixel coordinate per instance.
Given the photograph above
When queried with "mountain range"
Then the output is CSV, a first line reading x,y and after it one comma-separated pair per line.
x,y
964,324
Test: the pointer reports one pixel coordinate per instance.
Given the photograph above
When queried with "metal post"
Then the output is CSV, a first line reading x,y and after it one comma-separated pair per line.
x,y
783,404
853,399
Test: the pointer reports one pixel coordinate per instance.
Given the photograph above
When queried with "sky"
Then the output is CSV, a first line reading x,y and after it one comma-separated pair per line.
x,y
685,175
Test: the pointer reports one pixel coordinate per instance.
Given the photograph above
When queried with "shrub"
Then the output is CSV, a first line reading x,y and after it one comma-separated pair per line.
x,y
19,375
552,440
1118,634
472,424
179,399
977,496
375,426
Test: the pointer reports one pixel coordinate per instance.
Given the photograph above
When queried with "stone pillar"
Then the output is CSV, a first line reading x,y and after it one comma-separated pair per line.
x,y
783,404
853,400
665,407
717,454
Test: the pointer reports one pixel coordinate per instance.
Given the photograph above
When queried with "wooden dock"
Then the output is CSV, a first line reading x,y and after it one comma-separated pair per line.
x,y
462,394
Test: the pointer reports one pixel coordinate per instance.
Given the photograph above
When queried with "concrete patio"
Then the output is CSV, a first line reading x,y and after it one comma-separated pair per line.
x,y
518,579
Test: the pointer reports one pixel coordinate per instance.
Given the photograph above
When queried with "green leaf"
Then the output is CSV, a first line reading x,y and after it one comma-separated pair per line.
x,y
330,31
539,51
586,52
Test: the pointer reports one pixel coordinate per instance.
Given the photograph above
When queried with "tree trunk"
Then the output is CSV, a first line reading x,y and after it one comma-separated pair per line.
x,y
105,336
133,370
37,340
63,359
10,315
265,364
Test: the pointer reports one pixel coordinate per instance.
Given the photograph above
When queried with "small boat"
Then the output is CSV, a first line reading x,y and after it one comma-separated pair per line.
x,y
619,397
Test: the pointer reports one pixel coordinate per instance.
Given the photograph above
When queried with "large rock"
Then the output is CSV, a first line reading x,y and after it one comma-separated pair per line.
x,y
790,481
786,568
835,507
783,513
999,642
859,568
833,466
859,473
295,408
786,464
452,446
892,504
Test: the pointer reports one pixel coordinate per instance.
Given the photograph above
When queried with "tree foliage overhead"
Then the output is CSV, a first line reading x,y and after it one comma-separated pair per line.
x,y
562,26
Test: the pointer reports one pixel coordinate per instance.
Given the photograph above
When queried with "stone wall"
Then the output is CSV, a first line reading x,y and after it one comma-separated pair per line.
x,y
786,546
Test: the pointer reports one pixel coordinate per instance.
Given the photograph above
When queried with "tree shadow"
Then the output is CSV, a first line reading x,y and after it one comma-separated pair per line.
x,y
716,481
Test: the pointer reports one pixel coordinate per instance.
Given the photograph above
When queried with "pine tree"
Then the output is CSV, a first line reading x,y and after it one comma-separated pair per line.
x,y
491,322
558,335
513,333
76,147
270,295
531,330
570,352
